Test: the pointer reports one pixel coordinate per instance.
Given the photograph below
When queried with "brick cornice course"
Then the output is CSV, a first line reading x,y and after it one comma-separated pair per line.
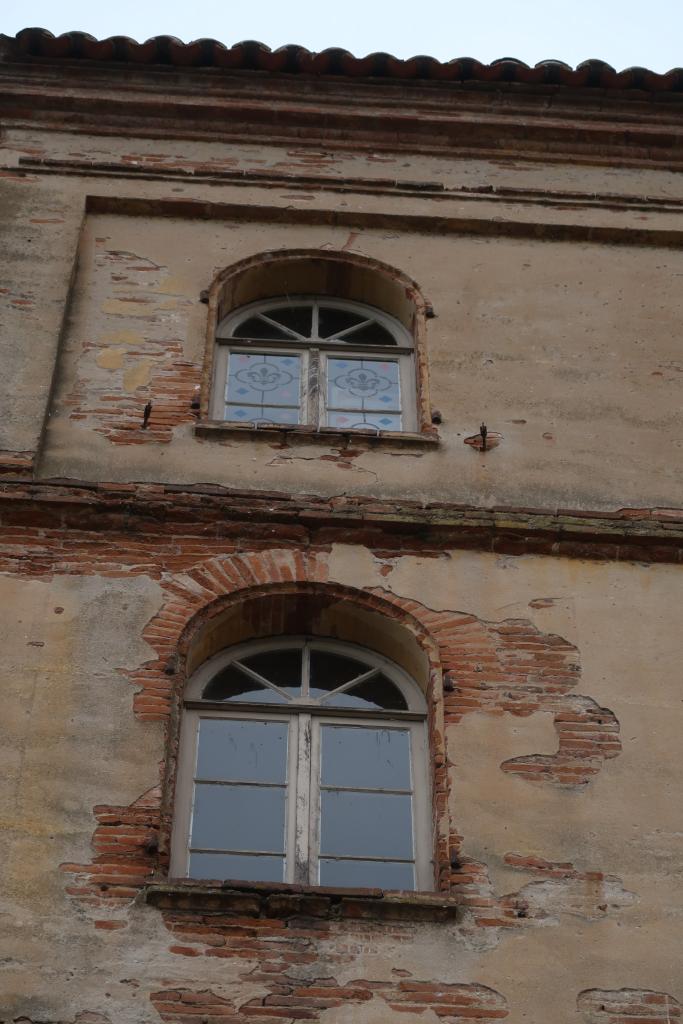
x,y
650,535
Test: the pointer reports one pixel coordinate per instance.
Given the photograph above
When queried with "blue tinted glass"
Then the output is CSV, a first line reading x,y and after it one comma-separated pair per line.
x,y
367,874
241,750
263,379
363,384
357,757
238,818
240,867
365,824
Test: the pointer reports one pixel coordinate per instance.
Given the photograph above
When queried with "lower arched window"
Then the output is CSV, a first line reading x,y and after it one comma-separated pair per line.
x,y
303,760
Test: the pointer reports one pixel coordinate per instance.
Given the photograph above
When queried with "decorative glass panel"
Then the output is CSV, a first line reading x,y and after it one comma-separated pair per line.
x,y
363,758
240,867
234,817
365,824
263,378
240,750
283,668
261,414
230,683
376,692
363,420
329,670
363,384
378,874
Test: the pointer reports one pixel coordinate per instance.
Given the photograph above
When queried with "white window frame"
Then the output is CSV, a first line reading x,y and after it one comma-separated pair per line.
x,y
314,353
305,720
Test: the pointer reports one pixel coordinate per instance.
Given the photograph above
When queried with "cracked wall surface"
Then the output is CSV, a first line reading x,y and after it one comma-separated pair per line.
x,y
561,873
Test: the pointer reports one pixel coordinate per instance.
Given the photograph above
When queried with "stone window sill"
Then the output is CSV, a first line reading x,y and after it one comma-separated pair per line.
x,y
327,435
282,900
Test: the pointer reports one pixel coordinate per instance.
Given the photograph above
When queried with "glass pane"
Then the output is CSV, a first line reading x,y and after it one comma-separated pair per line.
x,y
377,692
235,866
332,321
238,818
328,671
354,756
371,334
232,684
363,384
297,318
256,327
261,378
242,751
363,421
261,414
369,874
366,824
280,667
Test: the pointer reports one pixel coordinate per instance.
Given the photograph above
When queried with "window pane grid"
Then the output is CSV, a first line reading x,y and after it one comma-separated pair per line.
x,y
264,391
263,812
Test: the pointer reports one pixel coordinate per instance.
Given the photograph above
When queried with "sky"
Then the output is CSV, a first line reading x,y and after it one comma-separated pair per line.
x,y
622,32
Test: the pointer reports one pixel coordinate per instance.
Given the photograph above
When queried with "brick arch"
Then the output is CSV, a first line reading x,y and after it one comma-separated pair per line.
x,y
336,273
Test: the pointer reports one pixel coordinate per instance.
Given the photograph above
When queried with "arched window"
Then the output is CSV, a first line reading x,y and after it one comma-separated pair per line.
x,y
303,760
312,360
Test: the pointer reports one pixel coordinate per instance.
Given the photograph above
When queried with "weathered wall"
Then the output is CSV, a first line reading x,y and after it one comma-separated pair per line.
x,y
567,348
559,875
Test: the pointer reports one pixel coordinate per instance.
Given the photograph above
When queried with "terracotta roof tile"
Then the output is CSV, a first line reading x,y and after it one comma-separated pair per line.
x,y
254,56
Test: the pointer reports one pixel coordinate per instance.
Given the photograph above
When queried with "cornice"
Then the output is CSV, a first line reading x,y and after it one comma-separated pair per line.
x,y
646,535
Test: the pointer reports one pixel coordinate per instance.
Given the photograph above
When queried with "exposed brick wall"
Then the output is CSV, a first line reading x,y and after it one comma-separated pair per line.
x,y
628,1006
296,962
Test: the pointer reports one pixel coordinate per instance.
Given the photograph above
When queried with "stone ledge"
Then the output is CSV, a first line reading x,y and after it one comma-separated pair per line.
x,y
325,435
282,900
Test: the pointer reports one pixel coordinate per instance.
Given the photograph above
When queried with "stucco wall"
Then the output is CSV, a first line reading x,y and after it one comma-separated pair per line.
x,y
594,865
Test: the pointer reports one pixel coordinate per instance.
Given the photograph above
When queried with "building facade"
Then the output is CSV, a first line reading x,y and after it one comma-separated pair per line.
x,y
340,537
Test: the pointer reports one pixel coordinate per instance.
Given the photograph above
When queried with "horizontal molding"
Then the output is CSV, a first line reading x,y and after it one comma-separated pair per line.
x,y
647,535
434,190
200,209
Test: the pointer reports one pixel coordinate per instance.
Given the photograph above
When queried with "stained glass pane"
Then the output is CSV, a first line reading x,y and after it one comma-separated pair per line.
x,y
365,420
366,824
242,751
280,667
242,867
257,327
297,318
376,692
363,384
230,683
328,671
256,378
358,757
261,414
332,321
366,873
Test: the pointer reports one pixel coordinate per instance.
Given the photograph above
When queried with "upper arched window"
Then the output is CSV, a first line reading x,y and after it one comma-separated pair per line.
x,y
318,361
303,760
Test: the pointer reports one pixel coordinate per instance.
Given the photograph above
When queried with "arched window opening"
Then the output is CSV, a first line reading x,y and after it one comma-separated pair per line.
x,y
316,361
304,760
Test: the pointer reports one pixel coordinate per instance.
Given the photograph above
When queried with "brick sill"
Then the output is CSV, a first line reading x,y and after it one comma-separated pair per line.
x,y
281,900
327,435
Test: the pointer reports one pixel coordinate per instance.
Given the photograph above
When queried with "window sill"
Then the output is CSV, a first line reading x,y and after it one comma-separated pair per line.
x,y
327,435
282,900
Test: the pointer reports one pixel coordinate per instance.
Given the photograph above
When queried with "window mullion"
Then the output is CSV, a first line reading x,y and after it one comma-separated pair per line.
x,y
302,837
314,387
